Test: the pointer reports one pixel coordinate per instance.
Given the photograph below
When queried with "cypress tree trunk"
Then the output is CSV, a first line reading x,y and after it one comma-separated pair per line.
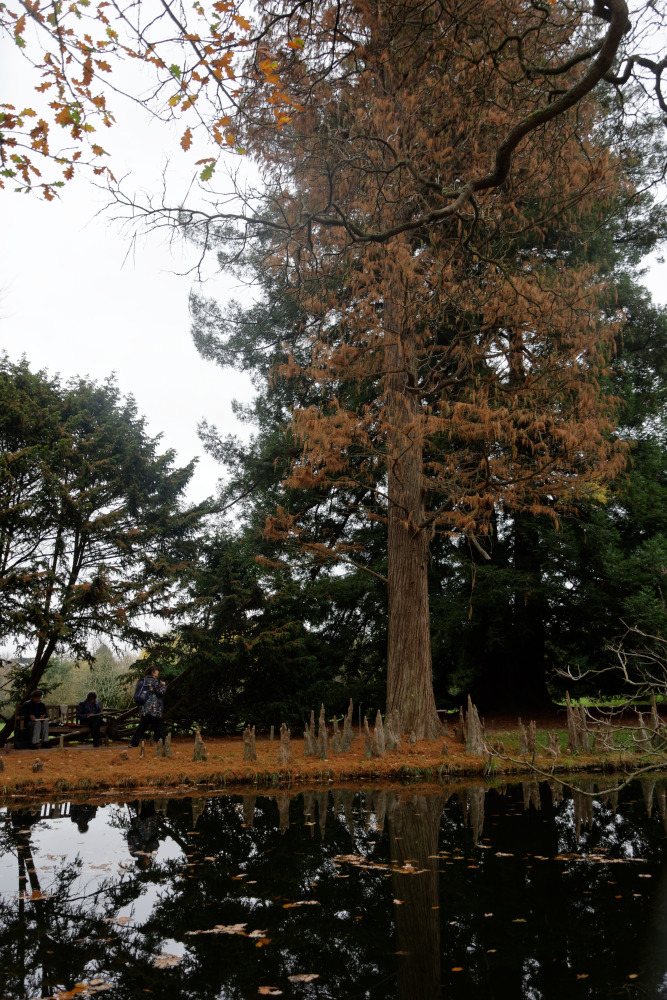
x,y
527,674
409,669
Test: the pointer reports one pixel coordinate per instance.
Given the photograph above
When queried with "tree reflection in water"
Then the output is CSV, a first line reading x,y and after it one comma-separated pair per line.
x,y
414,828
511,892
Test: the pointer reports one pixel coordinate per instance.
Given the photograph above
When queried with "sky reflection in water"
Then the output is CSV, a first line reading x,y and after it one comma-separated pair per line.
x,y
508,892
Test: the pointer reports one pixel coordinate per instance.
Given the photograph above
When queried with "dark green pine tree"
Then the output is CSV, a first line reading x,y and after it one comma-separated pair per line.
x,y
281,625
94,531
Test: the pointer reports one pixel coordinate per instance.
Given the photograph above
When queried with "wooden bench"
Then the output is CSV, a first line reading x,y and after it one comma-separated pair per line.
x,y
62,722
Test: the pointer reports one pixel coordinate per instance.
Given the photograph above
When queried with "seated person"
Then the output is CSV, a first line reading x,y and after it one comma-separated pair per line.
x,y
89,713
37,721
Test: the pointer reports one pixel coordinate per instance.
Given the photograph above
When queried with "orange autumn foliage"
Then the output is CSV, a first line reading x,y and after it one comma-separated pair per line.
x,y
454,335
80,53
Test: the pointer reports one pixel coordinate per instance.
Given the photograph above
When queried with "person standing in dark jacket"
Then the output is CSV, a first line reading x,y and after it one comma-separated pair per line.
x,y
152,709
89,713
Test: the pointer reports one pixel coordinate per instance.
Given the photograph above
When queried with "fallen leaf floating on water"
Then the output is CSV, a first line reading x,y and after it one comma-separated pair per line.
x,y
359,861
83,989
223,929
166,961
301,902
304,977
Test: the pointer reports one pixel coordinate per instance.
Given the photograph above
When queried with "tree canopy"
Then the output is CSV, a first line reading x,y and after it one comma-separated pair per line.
x,y
94,533
432,178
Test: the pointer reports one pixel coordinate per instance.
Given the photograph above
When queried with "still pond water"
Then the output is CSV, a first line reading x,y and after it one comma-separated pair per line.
x,y
519,891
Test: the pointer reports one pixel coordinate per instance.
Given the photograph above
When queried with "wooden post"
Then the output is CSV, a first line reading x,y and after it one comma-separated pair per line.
x,y
284,750
249,750
200,747
473,730
348,735
336,741
308,742
322,736
367,740
532,737
378,747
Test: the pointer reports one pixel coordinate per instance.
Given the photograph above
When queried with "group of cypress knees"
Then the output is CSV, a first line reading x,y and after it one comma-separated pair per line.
x,y
386,737
317,741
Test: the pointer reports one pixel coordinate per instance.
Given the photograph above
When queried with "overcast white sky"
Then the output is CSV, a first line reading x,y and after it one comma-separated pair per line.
x,y
72,303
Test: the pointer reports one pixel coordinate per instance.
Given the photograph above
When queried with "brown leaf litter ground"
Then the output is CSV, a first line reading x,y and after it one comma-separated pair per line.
x,y
82,768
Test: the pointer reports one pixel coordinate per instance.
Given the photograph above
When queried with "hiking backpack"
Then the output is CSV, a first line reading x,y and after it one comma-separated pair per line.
x,y
140,692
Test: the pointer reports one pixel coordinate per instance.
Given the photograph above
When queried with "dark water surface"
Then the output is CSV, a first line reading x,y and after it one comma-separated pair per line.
x,y
520,891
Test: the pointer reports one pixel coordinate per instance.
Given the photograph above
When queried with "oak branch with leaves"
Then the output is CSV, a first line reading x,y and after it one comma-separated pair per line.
x,y
81,55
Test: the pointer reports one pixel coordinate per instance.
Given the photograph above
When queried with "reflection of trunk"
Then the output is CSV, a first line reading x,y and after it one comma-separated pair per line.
x,y
347,805
583,808
414,827
40,959
472,802
654,958
283,800
249,811
22,916
409,671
